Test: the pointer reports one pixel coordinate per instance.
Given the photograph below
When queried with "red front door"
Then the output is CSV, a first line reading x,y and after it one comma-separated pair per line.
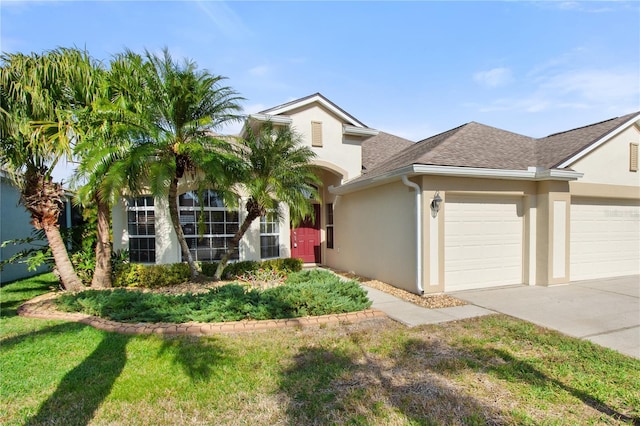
x,y
305,239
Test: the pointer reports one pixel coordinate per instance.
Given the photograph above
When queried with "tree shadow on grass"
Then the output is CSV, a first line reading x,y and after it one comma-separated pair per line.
x,y
329,386
66,327
507,367
82,390
196,356
15,294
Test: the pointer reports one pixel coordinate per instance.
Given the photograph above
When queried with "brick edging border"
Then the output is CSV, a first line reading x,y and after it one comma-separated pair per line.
x,y
32,309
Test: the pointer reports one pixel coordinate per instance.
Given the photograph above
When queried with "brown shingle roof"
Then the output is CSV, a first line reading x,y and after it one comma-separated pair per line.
x,y
470,145
381,147
555,149
480,146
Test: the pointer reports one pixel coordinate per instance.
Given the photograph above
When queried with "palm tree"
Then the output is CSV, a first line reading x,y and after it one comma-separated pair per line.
x,y
178,109
278,170
37,130
108,164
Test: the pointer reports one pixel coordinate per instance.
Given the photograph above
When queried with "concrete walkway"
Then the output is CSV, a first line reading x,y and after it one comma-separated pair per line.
x,y
412,315
605,311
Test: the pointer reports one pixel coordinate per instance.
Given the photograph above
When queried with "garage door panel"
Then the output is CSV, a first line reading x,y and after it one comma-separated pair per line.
x,y
605,238
483,242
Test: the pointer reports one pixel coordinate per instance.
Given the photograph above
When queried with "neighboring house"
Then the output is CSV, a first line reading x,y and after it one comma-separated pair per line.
x,y
15,224
472,207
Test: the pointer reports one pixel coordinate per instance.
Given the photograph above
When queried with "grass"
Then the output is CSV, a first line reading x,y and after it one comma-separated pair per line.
x,y
489,370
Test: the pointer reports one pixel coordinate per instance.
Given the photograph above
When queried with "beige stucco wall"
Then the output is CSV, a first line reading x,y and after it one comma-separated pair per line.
x,y
609,163
552,239
375,234
338,150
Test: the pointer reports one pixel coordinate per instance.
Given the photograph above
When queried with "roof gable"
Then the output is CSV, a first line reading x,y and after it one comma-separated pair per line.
x,y
315,98
560,150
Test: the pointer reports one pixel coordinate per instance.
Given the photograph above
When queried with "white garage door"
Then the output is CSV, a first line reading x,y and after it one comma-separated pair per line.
x,y
483,242
605,238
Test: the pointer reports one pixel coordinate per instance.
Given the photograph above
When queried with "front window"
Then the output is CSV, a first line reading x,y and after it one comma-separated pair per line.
x,y
208,226
330,226
269,236
142,230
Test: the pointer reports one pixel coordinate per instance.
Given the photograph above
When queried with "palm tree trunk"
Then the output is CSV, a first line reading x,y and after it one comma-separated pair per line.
x,y
251,216
175,220
68,276
102,272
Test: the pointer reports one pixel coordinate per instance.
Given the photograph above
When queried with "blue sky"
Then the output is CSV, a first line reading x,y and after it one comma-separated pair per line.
x,y
413,69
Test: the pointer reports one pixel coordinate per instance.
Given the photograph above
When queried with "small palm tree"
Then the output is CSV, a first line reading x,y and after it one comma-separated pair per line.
x,y
178,107
36,131
277,170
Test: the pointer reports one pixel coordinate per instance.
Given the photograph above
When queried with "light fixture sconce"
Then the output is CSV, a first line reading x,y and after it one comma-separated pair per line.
x,y
435,204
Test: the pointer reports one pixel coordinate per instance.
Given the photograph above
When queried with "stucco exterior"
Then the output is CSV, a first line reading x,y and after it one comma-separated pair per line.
x,y
504,217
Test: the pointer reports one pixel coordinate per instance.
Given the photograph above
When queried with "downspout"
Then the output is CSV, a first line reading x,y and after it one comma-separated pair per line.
x,y
418,191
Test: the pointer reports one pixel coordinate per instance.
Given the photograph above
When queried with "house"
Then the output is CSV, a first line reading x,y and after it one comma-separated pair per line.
x,y
15,224
472,207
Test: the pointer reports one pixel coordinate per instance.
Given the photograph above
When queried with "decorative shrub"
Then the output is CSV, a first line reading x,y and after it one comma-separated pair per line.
x,y
262,279
151,276
236,269
305,293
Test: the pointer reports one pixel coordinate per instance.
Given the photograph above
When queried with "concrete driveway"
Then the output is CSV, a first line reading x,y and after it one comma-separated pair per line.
x,y
605,311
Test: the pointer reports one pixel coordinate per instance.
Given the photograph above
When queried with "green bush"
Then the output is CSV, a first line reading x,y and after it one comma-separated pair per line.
x,y
234,270
208,268
283,265
151,276
305,293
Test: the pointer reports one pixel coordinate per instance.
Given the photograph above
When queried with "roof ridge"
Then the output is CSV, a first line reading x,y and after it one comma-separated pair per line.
x,y
454,130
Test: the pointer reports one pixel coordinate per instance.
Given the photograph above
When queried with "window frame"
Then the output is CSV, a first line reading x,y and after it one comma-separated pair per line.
x,y
272,233
329,226
207,247
149,238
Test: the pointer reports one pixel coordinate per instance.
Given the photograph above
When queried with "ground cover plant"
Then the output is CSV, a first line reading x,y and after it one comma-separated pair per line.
x,y
315,292
489,370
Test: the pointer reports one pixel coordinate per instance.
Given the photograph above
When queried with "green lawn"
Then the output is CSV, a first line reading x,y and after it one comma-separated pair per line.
x,y
494,369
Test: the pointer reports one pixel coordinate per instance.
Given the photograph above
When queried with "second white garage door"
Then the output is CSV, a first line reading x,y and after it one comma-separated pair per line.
x,y
483,242
605,238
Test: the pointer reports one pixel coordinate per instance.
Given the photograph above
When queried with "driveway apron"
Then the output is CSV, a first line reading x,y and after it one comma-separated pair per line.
x,y
605,311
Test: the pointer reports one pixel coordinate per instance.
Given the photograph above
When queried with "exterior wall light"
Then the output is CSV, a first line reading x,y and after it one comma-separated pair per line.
x,y
435,204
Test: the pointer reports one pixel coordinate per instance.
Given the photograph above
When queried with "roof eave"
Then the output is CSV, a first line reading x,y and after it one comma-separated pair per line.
x,y
358,131
275,119
532,174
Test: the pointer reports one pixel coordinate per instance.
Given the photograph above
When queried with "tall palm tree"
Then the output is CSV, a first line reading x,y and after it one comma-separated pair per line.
x,y
36,131
107,162
178,107
278,170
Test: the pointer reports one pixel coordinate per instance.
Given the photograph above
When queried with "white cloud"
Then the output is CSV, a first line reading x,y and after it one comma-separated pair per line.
x,y
579,89
495,77
594,85
224,18
260,70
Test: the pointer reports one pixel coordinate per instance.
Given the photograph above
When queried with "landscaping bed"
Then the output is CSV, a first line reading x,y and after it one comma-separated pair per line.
x,y
259,297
